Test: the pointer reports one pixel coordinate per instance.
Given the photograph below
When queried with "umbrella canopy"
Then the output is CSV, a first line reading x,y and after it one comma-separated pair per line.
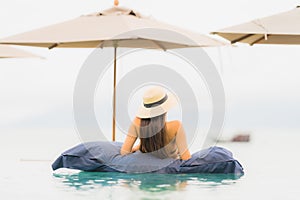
x,y
114,27
10,52
110,28
282,28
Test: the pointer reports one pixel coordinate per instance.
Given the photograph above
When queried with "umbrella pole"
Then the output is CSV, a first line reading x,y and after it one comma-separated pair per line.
x,y
114,96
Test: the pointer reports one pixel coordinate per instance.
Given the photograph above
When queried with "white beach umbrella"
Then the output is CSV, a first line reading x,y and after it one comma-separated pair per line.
x,y
114,27
282,28
7,51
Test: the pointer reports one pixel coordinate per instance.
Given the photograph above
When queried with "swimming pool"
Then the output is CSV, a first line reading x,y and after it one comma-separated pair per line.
x,y
271,172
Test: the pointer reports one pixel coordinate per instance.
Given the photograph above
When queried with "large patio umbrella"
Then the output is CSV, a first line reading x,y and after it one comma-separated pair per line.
x,y
7,51
282,28
114,27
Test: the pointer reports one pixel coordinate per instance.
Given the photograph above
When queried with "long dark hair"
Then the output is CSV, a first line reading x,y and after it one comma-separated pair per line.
x,y
153,133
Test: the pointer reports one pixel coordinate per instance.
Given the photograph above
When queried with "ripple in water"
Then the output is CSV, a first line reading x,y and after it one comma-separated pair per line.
x,y
146,182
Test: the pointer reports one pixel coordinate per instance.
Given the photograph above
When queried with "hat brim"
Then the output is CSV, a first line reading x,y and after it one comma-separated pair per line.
x,y
144,112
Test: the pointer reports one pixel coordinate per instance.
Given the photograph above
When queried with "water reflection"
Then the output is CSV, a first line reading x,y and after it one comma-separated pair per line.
x,y
146,182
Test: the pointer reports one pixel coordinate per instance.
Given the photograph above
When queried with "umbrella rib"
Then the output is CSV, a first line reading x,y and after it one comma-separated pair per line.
x,y
241,38
258,40
159,45
53,46
101,44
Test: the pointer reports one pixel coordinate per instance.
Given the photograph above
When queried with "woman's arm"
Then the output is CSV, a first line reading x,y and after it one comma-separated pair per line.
x,y
127,146
130,138
182,143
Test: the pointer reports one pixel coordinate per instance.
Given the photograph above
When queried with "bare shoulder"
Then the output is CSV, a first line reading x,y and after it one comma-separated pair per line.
x,y
174,124
173,127
137,121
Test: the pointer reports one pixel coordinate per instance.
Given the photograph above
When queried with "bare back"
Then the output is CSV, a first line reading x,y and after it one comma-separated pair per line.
x,y
176,139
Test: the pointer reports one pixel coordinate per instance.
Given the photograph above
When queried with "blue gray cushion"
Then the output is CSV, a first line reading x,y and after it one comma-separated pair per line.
x,y
105,157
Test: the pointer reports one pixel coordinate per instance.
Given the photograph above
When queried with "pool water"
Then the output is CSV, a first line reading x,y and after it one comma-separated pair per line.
x,y
152,183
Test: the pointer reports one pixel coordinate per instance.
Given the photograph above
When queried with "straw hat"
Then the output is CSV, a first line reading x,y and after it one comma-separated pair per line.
x,y
156,102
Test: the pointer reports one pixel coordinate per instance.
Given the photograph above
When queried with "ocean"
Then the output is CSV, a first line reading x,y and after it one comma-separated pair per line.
x,y
270,160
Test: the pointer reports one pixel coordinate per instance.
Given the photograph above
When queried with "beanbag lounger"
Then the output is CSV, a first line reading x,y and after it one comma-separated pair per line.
x,y
103,156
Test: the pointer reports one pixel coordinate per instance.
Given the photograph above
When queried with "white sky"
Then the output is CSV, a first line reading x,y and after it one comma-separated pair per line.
x,y
262,82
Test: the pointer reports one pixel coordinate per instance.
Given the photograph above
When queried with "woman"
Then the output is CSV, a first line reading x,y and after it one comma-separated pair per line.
x,y
158,137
